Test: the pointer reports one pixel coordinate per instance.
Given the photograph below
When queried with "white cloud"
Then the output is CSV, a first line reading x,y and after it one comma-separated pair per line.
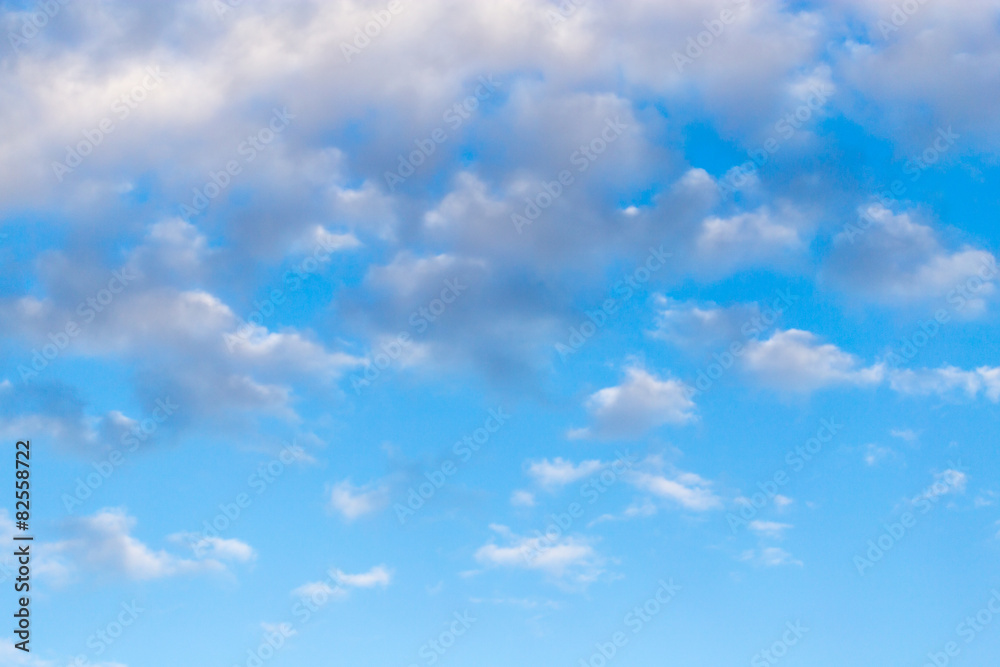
x,y
781,502
947,482
522,498
874,454
986,498
565,558
377,576
770,557
353,502
898,260
748,239
560,472
948,380
338,584
695,325
217,548
103,543
186,342
640,403
797,361
686,489
905,74
771,529
321,240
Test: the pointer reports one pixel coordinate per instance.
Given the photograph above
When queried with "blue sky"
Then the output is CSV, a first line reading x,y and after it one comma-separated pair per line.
x,y
585,333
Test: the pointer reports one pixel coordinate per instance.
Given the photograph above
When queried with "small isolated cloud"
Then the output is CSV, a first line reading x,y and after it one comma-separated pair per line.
x,y
216,547
796,361
686,489
321,237
875,454
769,557
560,472
770,529
895,259
565,559
338,583
642,508
948,482
640,403
353,502
781,502
522,498
904,434
377,576
948,381
986,498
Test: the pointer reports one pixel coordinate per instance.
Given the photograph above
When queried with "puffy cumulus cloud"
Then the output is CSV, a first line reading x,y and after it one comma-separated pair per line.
x,y
57,412
311,186
642,402
294,57
174,250
692,324
103,543
278,71
934,62
189,343
447,313
281,54
748,239
51,409
796,361
892,258
560,472
948,381
180,341
558,190
353,502
566,559
733,60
